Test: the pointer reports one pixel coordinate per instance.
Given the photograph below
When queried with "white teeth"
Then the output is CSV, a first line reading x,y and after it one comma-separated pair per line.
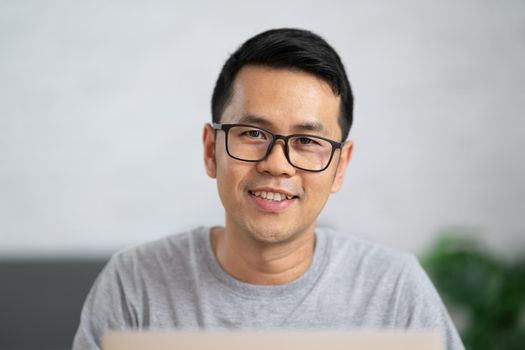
x,y
275,196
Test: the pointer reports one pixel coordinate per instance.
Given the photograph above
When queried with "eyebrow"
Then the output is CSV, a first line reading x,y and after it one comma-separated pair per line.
x,y
263,122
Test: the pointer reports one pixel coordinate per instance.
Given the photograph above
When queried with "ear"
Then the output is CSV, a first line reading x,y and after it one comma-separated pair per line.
x,y
344,159
208,141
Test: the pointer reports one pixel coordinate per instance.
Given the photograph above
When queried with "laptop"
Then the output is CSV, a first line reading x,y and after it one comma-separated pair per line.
x,y
272,340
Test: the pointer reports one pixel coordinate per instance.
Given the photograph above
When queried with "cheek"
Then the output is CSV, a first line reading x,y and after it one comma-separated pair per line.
x,y
226,189
230,177
318,189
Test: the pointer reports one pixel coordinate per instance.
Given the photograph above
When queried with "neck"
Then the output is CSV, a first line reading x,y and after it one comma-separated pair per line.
x,y
262,263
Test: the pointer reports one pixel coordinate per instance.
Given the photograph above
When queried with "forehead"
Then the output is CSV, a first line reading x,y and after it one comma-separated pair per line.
x,y
283,99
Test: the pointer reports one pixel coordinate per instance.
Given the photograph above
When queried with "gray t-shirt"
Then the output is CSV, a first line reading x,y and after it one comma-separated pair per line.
x,y
177,282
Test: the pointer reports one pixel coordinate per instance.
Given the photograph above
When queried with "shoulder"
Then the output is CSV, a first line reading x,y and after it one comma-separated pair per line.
x,y
173,251
345,249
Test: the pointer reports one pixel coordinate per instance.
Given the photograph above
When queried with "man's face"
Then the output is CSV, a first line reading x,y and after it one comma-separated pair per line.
x,y
285,102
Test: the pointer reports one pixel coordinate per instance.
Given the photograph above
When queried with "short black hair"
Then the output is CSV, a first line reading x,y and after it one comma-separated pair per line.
x,y
287,48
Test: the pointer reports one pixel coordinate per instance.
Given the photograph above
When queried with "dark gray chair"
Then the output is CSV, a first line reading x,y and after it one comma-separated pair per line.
x,y
40,301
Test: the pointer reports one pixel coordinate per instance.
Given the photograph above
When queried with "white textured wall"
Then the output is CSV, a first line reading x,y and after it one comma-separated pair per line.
x,y
102,105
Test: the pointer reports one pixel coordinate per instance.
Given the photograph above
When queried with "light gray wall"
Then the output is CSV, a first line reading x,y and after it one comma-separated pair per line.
x,y
102,106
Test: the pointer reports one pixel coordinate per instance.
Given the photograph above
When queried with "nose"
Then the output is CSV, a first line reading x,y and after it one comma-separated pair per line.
x,y
276,163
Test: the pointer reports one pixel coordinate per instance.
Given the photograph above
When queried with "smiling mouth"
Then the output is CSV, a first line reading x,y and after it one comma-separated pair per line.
x,y
271,196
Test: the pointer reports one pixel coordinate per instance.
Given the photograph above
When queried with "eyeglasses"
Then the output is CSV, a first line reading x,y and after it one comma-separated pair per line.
x,y
253,144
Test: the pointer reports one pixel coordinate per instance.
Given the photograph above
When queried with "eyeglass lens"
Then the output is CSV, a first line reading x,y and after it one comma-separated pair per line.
x,y
306,152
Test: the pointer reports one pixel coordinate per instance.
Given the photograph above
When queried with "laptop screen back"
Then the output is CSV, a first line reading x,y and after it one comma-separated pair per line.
x,y
272,340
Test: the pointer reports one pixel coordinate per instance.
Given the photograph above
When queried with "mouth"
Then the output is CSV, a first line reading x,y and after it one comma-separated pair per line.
x,y
272,201
272,196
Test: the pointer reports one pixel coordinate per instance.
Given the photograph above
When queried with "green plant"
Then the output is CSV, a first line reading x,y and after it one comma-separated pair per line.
x,y
487,290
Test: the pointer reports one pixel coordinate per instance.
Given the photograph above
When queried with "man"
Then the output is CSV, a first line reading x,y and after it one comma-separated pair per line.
x,y
282,110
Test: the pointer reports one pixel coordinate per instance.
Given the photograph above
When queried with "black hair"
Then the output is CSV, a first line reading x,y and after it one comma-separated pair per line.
x,y
287,48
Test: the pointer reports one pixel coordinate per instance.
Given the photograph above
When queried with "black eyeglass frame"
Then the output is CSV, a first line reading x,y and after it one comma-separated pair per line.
x,y
226,128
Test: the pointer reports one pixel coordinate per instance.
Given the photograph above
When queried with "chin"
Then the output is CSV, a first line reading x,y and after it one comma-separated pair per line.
x,y
271,235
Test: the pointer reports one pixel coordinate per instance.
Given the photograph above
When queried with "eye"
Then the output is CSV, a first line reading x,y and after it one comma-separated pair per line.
x,y
253,133
306,141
